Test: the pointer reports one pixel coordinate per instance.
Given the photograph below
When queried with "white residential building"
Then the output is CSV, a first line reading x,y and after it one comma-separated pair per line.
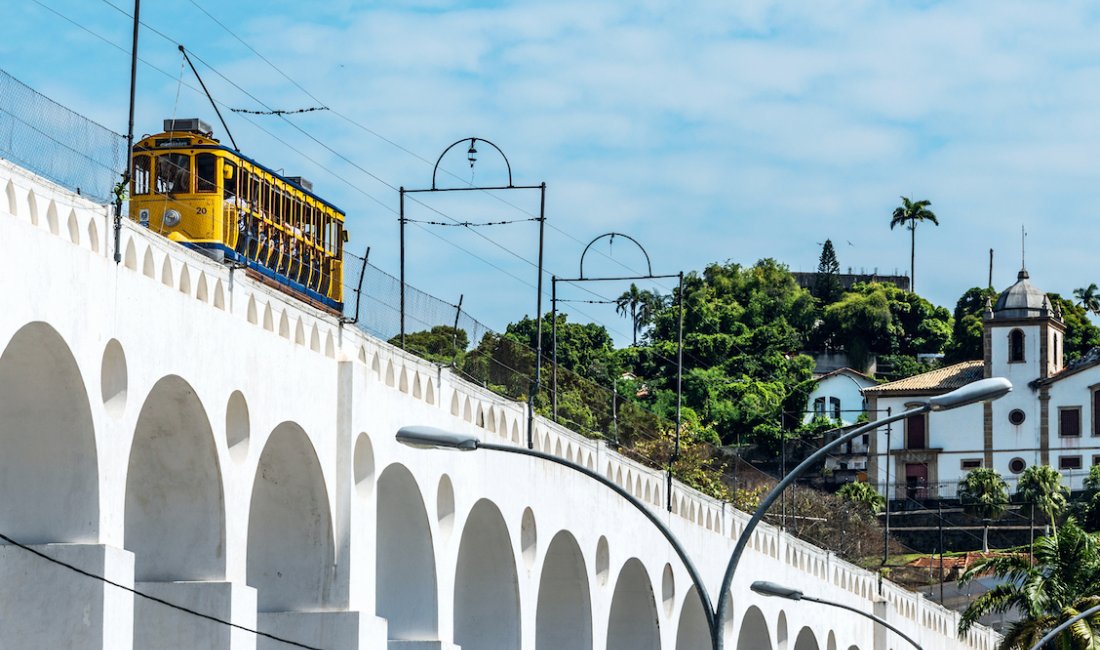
x,y
1049,418
838,395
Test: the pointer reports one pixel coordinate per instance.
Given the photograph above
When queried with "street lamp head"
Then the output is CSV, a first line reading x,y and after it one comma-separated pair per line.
x,y
423,437
765,588
983,390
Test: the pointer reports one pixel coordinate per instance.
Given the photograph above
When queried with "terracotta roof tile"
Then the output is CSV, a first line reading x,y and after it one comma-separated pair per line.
x,y
942,379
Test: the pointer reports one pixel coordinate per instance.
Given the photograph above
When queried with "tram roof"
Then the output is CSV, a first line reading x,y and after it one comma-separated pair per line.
x,y
222,147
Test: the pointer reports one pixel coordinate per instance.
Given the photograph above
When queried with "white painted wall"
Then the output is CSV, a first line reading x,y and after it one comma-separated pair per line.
x,y
843,386
283,436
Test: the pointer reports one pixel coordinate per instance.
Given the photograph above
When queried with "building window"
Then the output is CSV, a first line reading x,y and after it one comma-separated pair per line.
x,y
971,463
1069,421
834,406
1096,412
1016,417
1096,460
1017,465
1016,346
916,434
819,407
1069,462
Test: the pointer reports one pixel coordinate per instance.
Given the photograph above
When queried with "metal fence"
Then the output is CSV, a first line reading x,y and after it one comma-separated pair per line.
x,y
54,142
504,363
66,148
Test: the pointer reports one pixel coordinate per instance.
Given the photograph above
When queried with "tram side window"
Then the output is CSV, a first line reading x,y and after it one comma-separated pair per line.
x,y
310,229
254,192
173,173
141,175
206,172
269,201
230,192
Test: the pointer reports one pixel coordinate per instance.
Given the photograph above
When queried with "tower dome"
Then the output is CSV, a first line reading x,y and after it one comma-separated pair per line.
x,y
1022,300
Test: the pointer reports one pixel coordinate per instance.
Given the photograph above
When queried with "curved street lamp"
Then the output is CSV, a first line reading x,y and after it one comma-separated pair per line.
x,y
1049,636
765,588
980,391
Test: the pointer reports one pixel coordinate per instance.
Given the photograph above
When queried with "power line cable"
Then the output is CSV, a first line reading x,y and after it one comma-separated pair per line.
x,y
141,594
391,141
317,141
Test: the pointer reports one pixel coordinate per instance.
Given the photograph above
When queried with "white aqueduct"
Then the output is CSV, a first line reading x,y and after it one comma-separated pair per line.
x,y
177,429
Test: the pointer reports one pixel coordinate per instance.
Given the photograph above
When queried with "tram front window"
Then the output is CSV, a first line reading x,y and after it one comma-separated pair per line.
x,y
206,170
173,173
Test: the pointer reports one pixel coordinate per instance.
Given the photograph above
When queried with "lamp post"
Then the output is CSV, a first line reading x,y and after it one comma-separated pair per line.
x,y
1049,636
433,438
979,391
765,588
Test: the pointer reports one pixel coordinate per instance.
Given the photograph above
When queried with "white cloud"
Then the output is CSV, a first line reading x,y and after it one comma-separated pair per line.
x,y
724,129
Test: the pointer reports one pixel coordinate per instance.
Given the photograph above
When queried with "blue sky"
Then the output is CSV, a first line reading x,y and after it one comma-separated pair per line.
x,y
709,131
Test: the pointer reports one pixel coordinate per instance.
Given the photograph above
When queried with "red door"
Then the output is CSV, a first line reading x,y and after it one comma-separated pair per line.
x,y
916,480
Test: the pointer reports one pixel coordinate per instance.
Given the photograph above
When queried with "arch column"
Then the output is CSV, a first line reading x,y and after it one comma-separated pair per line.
x,y
175,526
49,482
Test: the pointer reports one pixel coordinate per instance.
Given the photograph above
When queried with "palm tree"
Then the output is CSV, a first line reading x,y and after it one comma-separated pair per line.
x,y
641,305
984,494
908,214
1089,298
1062,581
864,495
1040,488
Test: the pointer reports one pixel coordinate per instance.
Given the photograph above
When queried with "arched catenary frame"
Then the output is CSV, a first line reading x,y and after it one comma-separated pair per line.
x,y
471,155
679,339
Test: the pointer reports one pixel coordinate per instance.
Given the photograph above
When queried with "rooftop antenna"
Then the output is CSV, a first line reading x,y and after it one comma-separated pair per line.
x,y
1023,247
990,285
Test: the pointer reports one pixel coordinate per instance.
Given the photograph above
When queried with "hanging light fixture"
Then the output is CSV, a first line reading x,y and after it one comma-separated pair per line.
x,y
471,153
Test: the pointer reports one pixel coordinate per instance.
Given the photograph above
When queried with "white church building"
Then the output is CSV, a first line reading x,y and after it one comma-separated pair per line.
x,y
1050,417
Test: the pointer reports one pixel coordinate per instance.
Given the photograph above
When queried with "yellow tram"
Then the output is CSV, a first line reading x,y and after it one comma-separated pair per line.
x,y
206,196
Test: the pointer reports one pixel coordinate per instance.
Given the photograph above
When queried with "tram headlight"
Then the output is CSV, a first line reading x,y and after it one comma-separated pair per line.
x,y
171,218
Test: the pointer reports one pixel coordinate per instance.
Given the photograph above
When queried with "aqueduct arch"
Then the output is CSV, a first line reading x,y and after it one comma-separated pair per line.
x,y
633,621
486,601
405,560
563,618
290,542
175,507
48,441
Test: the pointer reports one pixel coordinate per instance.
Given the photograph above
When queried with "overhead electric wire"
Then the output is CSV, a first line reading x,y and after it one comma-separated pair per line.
x,y
323,145
154,599
372,175
385,139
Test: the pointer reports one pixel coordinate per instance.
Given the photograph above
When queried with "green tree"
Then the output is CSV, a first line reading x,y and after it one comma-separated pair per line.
x,y
966,332
1089,298
1086,509
584,348
882,319
984,494
1040,489
743,327
909,214
865,495
1081,334
1062,581
827,282
442,344
641,306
